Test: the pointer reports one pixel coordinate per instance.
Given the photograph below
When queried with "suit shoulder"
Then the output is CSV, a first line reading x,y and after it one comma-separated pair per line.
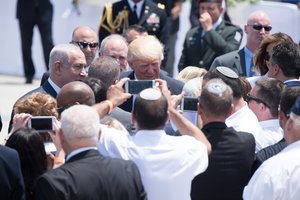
x,y
8,152
228,55
126,74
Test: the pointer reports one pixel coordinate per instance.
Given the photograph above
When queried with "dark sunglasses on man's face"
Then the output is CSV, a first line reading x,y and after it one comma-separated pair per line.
x,y
84,45
252,98
259,27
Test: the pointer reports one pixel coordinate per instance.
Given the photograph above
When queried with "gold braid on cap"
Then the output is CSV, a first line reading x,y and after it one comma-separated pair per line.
x,y
121,19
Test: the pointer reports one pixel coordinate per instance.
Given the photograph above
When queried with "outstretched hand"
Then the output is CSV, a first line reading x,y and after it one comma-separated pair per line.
x,y
116,94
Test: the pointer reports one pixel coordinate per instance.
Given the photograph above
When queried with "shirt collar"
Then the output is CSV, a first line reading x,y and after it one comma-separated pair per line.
x,y
55,87
217,23
77,151
139,6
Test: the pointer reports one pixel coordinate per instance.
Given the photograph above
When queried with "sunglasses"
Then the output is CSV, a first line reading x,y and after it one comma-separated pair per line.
x,y
259,27
250,98
83,45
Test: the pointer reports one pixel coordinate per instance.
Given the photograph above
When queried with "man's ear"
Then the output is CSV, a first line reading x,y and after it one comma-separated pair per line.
x,y
200,109
276,69
57,67
61,136
230,111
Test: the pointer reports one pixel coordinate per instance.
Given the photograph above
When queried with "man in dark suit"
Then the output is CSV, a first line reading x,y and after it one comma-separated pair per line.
x,y
11,184
257,28
67,64
147,14
232,153
211,38
29,14
144,57
87,174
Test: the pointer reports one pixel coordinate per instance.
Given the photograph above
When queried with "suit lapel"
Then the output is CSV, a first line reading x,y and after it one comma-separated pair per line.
x,y
242,60
49,89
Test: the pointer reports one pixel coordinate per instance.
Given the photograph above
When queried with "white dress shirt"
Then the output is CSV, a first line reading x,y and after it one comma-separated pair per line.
x,y
245,120
277,178
167,163
271,133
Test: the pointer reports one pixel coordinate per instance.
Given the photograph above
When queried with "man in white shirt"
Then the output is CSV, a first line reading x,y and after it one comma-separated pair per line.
x,y
167,163
264,100
242,118
278,177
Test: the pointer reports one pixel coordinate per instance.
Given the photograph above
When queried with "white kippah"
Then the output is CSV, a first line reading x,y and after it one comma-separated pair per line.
x,y
216,88
150,94
227,72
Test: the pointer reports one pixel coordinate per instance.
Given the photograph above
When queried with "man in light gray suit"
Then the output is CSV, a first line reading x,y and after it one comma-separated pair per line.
x,y
257,27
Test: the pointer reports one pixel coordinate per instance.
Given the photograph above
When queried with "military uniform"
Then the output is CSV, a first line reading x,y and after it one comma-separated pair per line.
x,y
201,50
153,18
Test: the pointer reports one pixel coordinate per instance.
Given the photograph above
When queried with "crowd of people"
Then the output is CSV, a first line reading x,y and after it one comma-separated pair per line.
x,y
241,141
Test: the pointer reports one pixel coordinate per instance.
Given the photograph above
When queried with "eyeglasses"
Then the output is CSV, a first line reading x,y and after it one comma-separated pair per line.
x,y
249,98
83,45
259,27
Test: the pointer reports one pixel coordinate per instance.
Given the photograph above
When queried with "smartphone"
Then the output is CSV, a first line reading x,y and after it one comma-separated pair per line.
x,y
135,87
42,123
189,104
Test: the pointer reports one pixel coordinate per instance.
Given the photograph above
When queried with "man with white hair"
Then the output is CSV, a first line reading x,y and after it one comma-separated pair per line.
x,y
145,55
87,174
66,64
115,46
278,177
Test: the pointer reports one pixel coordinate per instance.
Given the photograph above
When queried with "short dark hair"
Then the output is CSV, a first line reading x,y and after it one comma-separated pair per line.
x,y
150,114
288,98
234,83
98,88
106,69
269,91
216,104
287,56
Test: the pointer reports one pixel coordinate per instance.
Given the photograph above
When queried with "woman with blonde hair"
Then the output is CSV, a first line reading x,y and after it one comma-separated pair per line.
x,y
190,72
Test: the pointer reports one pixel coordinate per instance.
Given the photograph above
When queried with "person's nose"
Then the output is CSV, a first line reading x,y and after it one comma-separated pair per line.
x,y
83,73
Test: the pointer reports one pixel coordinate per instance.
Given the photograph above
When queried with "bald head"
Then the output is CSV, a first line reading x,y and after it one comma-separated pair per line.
x,y
253,29
86,35
75,92
115,46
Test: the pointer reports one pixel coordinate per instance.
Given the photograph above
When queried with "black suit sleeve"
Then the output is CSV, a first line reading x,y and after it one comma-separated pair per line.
x,y
45,190
132,168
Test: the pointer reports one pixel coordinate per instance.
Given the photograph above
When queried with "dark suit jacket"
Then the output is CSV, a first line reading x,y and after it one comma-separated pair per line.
x,y
149,11
201,51
46,88
229,166
11,184
174,86
234,60
26,10
89,175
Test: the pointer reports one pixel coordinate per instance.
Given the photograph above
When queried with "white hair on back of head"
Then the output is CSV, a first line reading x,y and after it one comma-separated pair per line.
x,y
111,38
80,122
145,48
193,87
61,53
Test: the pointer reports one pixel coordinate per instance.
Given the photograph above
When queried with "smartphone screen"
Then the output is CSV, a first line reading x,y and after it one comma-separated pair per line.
x,y
189,104
135,87
41,123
